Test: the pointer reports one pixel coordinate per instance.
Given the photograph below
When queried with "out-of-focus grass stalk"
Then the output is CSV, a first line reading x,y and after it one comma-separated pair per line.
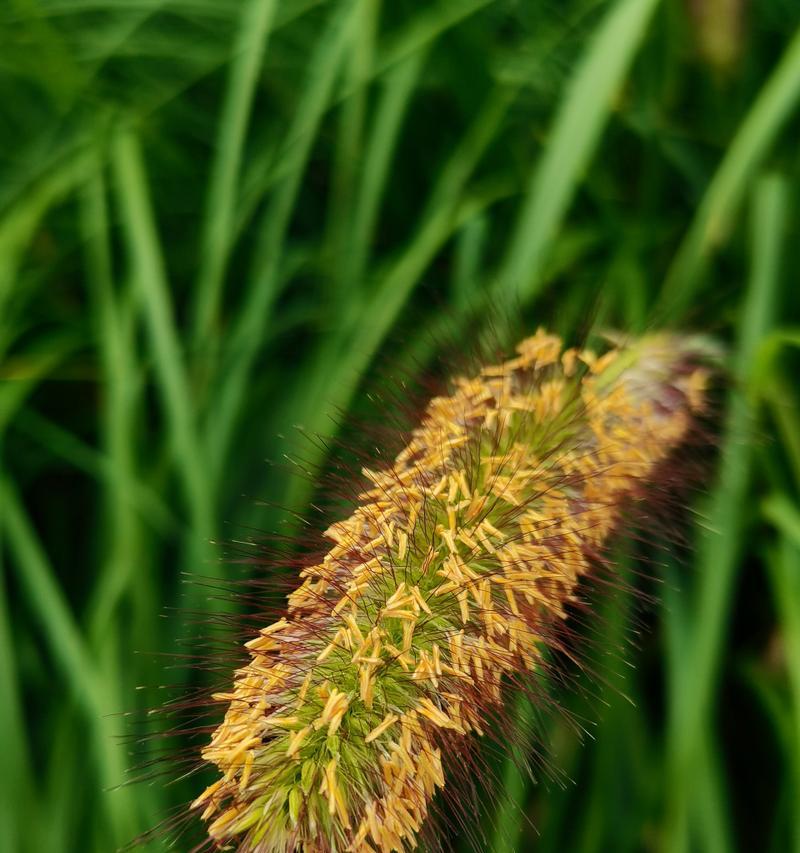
x,y
783,564
247,335
27,792
585,109
16,782
126,572
717,552
114,338
256,18
348,152
150,279
714,217
618,737
786,578
70,653
397,88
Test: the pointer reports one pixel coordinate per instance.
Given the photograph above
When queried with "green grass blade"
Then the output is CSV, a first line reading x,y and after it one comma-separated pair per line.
x,y
409,42
508,821
114,333
778,392
756,134
784,516
397,92
150,277
218,231
470,250
784,567
711,808
17,788
265,277
69,653
577,129
348,152
719,547
48,603
439,221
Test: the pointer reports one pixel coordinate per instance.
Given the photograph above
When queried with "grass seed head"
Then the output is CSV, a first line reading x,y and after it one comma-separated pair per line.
x,y
442,588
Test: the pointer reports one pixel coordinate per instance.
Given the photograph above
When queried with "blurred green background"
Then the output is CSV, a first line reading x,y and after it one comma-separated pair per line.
x,y
222,219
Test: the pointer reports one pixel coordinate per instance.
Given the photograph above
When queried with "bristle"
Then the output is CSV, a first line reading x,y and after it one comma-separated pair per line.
x,y
438,591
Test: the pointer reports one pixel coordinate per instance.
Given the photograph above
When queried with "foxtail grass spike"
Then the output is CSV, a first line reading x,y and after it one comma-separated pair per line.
x,y
439,592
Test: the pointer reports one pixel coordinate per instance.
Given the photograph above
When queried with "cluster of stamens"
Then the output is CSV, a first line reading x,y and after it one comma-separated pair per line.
x,y
441,588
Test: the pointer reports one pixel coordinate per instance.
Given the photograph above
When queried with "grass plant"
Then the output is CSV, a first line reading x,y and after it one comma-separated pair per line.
x,y
218,220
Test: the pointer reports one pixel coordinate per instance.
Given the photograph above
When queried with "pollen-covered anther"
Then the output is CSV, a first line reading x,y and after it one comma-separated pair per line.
x,y
333,712
296,741
451,578
330,788
388,720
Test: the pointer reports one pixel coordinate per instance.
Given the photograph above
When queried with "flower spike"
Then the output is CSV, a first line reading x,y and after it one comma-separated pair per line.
x,y
441,588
